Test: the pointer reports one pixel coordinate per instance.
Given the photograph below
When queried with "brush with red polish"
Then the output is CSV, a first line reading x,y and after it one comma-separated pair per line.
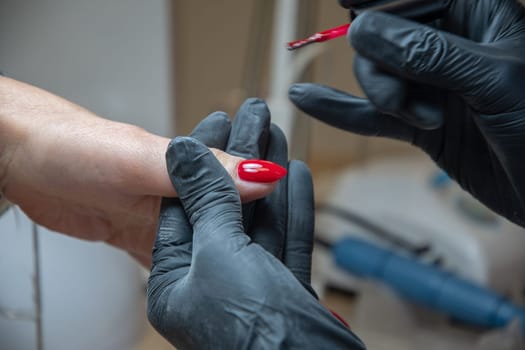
x,y
318,37
416,10
256,170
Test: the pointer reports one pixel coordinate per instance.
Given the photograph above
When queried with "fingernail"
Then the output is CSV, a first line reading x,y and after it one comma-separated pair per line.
x,y
297,89
336,315
260,171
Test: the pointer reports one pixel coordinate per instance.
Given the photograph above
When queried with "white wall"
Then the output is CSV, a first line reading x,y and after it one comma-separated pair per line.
x,y
112,57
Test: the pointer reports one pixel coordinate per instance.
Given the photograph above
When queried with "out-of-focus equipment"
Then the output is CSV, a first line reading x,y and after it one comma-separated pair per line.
x,y
408,205
426,284
422,255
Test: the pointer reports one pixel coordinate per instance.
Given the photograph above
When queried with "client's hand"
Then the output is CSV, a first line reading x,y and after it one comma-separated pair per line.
x,y
85,176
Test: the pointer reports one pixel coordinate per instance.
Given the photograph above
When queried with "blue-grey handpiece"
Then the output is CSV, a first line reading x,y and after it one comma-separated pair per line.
x,y
426,285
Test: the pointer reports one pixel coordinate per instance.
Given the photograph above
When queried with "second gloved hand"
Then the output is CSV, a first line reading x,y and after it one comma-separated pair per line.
x,y
212,287
455,88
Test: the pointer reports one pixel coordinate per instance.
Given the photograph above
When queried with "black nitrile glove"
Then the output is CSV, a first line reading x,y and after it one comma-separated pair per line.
x,y
251,136
247,137
212,287
455,88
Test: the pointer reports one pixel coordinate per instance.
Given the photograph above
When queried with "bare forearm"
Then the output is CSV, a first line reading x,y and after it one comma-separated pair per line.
x,y
89,177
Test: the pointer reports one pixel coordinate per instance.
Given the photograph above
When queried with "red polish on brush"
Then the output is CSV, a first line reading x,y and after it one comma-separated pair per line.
x,y
318,37
255,170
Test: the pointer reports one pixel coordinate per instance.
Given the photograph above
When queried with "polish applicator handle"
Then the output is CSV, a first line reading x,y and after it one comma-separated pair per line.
x,y
427,285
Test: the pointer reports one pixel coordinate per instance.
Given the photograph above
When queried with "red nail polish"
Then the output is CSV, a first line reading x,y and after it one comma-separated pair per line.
x,y
336,315
256,170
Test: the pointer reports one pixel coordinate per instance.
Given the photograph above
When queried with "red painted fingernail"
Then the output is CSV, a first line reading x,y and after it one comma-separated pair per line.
x,y
256,170
339,318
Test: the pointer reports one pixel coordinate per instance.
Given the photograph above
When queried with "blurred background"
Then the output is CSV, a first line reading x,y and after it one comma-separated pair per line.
x,y
165,65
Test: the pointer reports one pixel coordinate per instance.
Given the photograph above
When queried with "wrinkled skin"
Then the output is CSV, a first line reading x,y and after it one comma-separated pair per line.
x,y
85,176
454,88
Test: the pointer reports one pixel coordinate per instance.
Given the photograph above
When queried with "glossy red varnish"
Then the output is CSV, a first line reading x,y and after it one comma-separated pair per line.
x,y
318,37
256,170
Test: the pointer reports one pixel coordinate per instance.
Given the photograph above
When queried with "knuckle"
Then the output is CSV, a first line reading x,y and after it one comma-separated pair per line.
x,y
426,50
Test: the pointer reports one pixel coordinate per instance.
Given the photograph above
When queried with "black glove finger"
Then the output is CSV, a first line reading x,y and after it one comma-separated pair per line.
x,y
173,244
270,213
387,92
484,21
171,252
249,134
418,105
277,150
423,54
248,139
347,112
207,193
214,130
300,222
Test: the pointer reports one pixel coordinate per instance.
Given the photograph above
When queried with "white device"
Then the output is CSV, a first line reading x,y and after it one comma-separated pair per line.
x,y
397,202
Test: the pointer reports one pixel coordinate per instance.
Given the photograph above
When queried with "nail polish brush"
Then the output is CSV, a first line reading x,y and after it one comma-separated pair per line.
x,y
319,37
418,10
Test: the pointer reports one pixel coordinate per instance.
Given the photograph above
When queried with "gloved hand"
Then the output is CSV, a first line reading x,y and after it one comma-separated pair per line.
x,y
454,88
211,286
252,136
247,138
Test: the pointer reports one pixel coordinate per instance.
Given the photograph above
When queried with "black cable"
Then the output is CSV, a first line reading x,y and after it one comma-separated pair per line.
x,y
322,242
371,227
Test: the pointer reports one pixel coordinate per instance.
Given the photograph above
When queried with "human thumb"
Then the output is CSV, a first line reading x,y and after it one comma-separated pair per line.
x,y
421,53
205,189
